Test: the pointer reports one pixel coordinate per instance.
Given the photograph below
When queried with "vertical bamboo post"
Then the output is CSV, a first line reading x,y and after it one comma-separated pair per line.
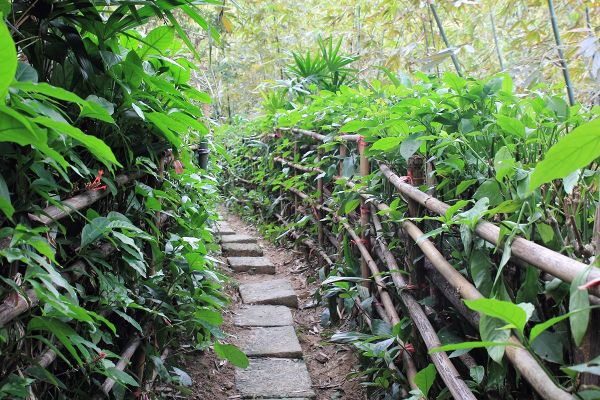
x,y
416,173
320,230
498,51
295,158
561,54
444,37
364,209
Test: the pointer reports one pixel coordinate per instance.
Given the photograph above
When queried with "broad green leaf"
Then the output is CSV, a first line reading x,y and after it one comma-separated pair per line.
x,y
549,346
508,312
511,125
573,151
356,125
5,203
409,146
386,144
579,300
351,205
477,373
120,376
424,379
94,145
157,41
26,73
504,164
232,354
464,185
212,317
62,331
590,367
8,66
539,328
493,330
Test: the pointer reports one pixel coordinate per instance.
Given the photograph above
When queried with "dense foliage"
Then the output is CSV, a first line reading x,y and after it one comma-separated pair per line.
x,y
490,153
92,106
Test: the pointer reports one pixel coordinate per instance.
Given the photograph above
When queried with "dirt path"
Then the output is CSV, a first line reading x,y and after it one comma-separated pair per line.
x,y
328,364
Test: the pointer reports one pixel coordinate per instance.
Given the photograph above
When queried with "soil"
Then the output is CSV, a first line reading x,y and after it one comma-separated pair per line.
x,y
328,364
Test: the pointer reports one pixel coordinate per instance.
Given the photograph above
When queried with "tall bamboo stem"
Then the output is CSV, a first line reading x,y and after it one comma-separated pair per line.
x,y
561,54
445,38
498,52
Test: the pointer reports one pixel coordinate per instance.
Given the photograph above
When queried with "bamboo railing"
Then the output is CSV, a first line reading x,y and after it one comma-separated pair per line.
x,y
528,252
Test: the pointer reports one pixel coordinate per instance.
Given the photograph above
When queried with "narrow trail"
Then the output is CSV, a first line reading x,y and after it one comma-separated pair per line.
x,y
275,321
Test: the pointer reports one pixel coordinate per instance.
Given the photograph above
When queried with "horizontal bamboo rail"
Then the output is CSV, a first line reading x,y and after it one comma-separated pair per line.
x,y
447,371
547,260
52,214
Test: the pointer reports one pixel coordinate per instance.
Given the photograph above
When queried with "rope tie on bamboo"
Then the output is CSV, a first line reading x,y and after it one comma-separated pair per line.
x,y
364,210
361,241
361,143
96,183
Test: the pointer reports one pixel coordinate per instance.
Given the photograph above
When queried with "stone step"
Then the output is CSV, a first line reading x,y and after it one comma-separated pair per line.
x,y
238,238
262,316
274,378
278,341
257,265
242,250
222,228
274,292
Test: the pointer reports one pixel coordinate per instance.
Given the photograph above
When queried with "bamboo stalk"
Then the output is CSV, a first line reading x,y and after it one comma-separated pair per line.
x,y
126,355
554,263
442,362
364,211
445,38
387,302
498,52
561,54
52,214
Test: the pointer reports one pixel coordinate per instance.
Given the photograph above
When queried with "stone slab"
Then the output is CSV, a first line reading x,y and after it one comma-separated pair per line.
x,y
274,378
223,229
278,341
242,250
257,265
274,292
263,316
238,239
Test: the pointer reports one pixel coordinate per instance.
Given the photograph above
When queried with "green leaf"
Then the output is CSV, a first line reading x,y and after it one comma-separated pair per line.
x,y
94,145
469,345
386,144
8,66
212,317
5,203
120,376
232,354
351,205
157,41
477,373
26,73
493,330
575,150
504,164
424,379
511,125
62,331
590,367
539,328
579,300
464,185
505,310
409,146
356,125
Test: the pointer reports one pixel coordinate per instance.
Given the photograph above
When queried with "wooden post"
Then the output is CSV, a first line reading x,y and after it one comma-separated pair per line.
x,y
416,173
364,211
320,230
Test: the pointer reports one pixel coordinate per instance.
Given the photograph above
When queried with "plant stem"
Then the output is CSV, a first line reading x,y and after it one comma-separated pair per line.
x,y
498,53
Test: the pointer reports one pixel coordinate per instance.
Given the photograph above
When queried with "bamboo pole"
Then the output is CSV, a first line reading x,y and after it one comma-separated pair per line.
x,y
442,362
364,211
387,302
498,51
554,263
52,214
445,38
126,355
561,55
